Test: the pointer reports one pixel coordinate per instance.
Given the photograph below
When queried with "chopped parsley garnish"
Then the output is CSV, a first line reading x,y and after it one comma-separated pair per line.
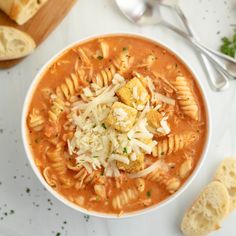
x,y
124,49
28,190
65,222
97,198
58,234
148,193
12,212
125,150
95,156
162,153
104,126
228,46
102,174
86,217
100,58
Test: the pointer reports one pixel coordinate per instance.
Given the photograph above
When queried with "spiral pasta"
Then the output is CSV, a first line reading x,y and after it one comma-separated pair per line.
x,y
69,87
36,121
185,97
58,106
173,143
59,165
105,76
158,176
123,198
72,85
163,178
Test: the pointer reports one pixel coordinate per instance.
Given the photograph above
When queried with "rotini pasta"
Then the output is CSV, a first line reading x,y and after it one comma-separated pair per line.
x,y
125,197
59,166
158,176
36,121
185,97
105,76
173,184
163,178
185,168
58,106
174,143
69,88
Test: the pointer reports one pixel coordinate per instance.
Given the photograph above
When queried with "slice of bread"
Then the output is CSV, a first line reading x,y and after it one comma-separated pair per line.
x,y
14,43
226,174
207,212
21,10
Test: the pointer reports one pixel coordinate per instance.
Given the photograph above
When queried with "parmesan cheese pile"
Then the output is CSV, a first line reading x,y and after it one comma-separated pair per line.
x,y
97,145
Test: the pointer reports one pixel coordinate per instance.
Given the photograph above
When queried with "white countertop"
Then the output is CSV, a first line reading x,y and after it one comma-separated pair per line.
x,y
33,213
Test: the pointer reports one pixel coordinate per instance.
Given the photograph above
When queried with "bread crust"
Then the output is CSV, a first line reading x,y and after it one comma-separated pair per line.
x,y
226,174
207,211
14,43
21,10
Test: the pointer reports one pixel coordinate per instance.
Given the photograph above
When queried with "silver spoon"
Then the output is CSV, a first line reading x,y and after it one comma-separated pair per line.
x,y
145,13
222,79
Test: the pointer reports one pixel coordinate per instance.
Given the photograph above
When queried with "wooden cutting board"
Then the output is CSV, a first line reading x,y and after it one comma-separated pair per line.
x,y
41,25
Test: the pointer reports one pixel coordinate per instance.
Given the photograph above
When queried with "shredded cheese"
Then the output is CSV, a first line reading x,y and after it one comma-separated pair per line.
x,y
97,146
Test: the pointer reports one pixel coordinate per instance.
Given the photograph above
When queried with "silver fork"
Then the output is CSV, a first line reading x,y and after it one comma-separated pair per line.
x,y
222,81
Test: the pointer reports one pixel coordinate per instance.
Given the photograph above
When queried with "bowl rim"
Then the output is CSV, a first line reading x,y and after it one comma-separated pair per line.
x,y
60,197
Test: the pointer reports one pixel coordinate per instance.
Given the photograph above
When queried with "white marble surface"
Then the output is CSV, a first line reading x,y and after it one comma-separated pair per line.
x,y
33,213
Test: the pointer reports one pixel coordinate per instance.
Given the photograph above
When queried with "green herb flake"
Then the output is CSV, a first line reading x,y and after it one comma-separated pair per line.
x,y
97,198
228,46
104,126
124,49
102,174
58,234
100,58
65,222
86,217
12,212
162,153
148,193
28,190
125,150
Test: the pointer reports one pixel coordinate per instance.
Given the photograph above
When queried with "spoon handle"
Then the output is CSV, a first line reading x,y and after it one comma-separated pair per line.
x,y
226,66
222,81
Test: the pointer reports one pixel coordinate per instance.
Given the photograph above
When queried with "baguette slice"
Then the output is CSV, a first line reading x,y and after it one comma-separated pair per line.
x,y
21,10
14,43
226,174
207,211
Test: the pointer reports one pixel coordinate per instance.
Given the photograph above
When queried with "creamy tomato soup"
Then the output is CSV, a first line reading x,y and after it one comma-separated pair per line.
x,y
116,124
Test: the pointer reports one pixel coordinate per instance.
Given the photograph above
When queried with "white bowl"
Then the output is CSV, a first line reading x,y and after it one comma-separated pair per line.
x,y
63,199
